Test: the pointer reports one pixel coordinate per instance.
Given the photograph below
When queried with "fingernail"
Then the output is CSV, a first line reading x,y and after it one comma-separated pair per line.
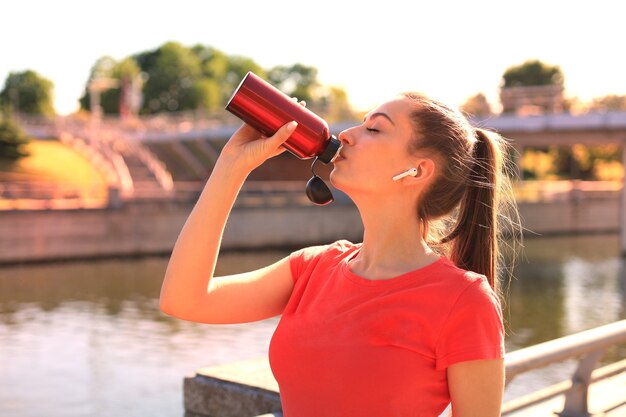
x,y
292,125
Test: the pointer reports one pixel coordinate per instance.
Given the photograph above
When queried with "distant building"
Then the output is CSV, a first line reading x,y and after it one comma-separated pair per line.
x,y
533,100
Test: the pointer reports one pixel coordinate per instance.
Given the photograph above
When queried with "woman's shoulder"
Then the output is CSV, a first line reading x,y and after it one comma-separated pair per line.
x,y
342,246
331,250
462,280
313,256
335,248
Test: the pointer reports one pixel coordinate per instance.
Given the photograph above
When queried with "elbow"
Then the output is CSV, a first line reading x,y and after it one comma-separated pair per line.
x,y
167,303
167,299
171,308
166,307
175,301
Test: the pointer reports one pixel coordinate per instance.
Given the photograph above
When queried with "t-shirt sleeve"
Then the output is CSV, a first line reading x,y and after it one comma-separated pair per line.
x,y
474,328
302,259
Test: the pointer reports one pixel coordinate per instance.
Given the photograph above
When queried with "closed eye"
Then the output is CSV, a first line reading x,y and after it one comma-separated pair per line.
x,y
372,130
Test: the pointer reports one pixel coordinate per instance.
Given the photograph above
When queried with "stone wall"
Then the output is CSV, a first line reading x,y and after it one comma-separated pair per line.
x,y
152,228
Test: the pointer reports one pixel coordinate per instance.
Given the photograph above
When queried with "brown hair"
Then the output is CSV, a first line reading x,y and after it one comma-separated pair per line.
x,y
469,206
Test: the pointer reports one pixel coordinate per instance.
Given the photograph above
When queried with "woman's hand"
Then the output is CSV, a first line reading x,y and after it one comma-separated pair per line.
x,y
249,148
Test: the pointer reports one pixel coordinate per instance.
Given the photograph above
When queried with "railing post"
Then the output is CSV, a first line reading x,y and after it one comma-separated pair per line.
x,y
576,397
622,210
114,200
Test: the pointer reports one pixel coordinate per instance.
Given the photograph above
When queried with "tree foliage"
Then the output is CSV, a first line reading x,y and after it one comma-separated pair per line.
x,y
570,162
477,105
532,73
27,92
611,102
202,77
297,80
334,105
108,68
172,79
12,141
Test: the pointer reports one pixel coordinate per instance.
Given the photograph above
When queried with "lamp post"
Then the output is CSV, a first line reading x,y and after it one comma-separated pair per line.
x,y
96,86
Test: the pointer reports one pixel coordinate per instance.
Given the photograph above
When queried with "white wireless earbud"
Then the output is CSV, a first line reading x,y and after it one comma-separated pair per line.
x,y
411,172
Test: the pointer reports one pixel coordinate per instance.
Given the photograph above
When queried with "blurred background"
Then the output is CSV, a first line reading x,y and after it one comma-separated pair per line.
x,y
112,116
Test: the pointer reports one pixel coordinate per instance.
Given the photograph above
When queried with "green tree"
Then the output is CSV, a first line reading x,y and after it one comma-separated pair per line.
x,y
221,74
297,80
27,92
203,77
12,142
206,93
477,105
532,73
109,68
611,102
335,106
214,63
238,67
174,80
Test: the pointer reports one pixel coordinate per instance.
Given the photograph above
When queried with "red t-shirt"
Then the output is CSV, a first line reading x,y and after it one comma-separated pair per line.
x,y
349,346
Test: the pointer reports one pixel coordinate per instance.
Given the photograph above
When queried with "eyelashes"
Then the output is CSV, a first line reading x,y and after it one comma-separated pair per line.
x,y
371,130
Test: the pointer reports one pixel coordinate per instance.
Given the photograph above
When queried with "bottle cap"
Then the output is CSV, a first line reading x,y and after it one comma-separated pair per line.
x,y
331,151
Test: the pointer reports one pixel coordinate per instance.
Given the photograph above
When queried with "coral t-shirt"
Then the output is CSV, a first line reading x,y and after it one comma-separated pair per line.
x,y
350,346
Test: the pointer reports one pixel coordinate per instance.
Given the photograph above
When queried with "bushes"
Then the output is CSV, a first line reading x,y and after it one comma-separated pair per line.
x,y
12,141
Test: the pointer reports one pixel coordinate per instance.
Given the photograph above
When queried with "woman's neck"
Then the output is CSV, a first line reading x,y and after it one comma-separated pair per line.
x,y
392,241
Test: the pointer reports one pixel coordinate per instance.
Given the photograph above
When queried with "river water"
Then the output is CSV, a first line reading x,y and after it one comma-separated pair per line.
x,y
88,339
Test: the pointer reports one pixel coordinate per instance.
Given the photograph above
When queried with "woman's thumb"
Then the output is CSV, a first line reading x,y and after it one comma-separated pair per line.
x,y
283,133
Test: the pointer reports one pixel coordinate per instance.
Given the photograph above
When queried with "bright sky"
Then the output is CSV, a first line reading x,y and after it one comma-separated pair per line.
x,y
374,49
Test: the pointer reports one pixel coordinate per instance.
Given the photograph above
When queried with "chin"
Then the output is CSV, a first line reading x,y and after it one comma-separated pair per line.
x,y
334,181
340,184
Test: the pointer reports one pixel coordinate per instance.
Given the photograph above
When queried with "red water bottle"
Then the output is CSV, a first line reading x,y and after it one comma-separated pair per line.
x,y
265,108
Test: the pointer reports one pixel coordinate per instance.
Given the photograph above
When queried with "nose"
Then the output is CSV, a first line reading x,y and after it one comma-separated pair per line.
x,y
344,137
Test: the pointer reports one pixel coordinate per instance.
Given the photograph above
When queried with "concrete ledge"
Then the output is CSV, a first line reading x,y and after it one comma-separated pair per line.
x,y
152,229
240,389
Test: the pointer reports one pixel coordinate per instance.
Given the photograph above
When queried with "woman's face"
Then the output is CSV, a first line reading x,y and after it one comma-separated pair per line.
x,y
376,150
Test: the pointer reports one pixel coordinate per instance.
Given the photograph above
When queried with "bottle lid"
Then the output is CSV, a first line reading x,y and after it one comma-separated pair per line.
x,y
332,150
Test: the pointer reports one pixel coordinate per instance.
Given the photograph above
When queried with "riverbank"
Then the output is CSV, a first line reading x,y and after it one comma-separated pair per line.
x,y
151,227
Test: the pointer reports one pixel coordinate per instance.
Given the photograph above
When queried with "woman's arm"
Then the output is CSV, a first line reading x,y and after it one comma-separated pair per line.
x,y
192,263
476,388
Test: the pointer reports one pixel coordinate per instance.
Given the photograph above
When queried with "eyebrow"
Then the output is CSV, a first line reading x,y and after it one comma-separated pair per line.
x,y
380,114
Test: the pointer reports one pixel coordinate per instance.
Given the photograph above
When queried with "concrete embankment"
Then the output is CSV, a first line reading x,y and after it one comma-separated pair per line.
x,y
151,228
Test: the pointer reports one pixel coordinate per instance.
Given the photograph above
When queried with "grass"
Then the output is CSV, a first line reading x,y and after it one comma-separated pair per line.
x,y
50,163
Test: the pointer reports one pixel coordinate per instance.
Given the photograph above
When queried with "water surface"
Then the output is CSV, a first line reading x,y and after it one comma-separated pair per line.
x,y
87,338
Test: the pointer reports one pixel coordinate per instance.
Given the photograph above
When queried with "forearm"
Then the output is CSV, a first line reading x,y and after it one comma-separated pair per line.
x,y
193,259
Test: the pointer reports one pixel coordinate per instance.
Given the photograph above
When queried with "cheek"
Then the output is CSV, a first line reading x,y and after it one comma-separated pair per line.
x,y
371,164
364,173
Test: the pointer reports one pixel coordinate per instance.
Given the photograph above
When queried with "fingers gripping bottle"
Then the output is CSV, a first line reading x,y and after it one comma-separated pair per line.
x,y
266,109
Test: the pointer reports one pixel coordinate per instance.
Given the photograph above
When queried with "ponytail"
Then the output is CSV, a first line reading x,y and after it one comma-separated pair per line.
x,y
471,202
475,235
487,201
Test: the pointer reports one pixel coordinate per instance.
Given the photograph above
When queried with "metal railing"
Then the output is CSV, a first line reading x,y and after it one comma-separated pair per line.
x,y
589,345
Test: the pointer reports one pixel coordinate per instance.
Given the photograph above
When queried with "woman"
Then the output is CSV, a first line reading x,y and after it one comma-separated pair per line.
x,y
401,324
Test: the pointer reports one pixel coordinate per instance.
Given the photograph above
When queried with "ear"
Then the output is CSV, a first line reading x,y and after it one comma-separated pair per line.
x,y
425,172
